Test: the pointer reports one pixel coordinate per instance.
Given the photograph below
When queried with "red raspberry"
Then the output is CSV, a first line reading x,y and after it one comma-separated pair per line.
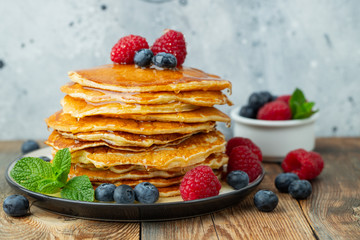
x,y
239,141
171,42
242,158
123,51
307,165
276,110
200,182
284,98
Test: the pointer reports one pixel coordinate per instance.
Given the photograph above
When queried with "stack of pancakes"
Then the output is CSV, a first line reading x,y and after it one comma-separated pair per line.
x,y
126,125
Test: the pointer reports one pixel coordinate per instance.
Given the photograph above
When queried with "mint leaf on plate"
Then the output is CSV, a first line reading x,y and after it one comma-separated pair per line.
x,y
49,186
300,107
29,171
61,165
78,188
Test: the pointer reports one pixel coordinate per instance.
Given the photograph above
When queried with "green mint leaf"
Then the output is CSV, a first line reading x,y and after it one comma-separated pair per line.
x,y
78,188
29,171
49,186
61,165
300,108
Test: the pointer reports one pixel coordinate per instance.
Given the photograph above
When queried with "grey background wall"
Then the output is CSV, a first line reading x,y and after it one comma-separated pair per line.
x,y
258,45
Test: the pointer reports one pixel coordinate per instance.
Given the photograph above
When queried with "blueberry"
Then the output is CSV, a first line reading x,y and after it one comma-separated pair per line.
x,y
46,159
28,146
300,189
266,200
283,180
105,192
164,60
16,206
248,111
143,57
259,99
124,194
237,179
145,192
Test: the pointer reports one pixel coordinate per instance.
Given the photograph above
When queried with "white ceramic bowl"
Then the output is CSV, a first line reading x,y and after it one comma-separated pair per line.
x,y
276,138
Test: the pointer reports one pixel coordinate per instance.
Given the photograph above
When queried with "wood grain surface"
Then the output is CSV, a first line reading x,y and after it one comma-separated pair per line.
x,y
331,212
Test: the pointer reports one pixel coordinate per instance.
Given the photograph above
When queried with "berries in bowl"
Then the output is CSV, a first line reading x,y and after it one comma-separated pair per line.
x,y
277,124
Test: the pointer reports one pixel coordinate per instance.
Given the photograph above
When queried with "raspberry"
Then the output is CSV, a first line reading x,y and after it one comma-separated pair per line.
x,y
200,182
307,165
243,159
123,51
239,141
171,42
284,98
276,110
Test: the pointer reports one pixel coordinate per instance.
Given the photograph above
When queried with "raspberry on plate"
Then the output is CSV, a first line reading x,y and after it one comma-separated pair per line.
x,y
171,42
124,50
307,165
243,159
284,98
200,182
240,141
277,110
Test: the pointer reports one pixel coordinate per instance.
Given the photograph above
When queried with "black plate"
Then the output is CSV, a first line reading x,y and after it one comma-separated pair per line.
x,y
133,212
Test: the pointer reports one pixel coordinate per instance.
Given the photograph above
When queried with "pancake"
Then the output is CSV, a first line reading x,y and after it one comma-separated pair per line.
x,y
189,152
66,123
79,108
215,161
129,78
58,141
126,139
198,98
202,114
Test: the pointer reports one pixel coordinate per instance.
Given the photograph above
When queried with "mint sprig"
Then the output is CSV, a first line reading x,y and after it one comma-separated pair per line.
x,y
39,176
79,188
300,107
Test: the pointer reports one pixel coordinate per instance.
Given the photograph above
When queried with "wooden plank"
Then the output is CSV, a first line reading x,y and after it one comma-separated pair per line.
x,y
244,221
45,225
334,208
191,228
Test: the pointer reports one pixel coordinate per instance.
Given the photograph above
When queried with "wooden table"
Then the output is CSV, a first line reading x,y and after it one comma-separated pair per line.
x,y
331,212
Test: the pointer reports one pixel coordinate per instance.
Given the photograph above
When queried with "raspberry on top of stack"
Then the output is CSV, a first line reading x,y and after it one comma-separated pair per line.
x,y
151,121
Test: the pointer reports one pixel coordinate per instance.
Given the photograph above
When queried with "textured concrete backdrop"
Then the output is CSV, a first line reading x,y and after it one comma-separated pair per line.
x,y
258,45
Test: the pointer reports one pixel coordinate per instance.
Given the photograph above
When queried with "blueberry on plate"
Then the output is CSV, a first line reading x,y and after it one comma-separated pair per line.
x,y
105,192
124,194
16,205
143,57
145,192
248,111
259,99
266,200
300,189
283,180
28,146
164,60
237,179
46,159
